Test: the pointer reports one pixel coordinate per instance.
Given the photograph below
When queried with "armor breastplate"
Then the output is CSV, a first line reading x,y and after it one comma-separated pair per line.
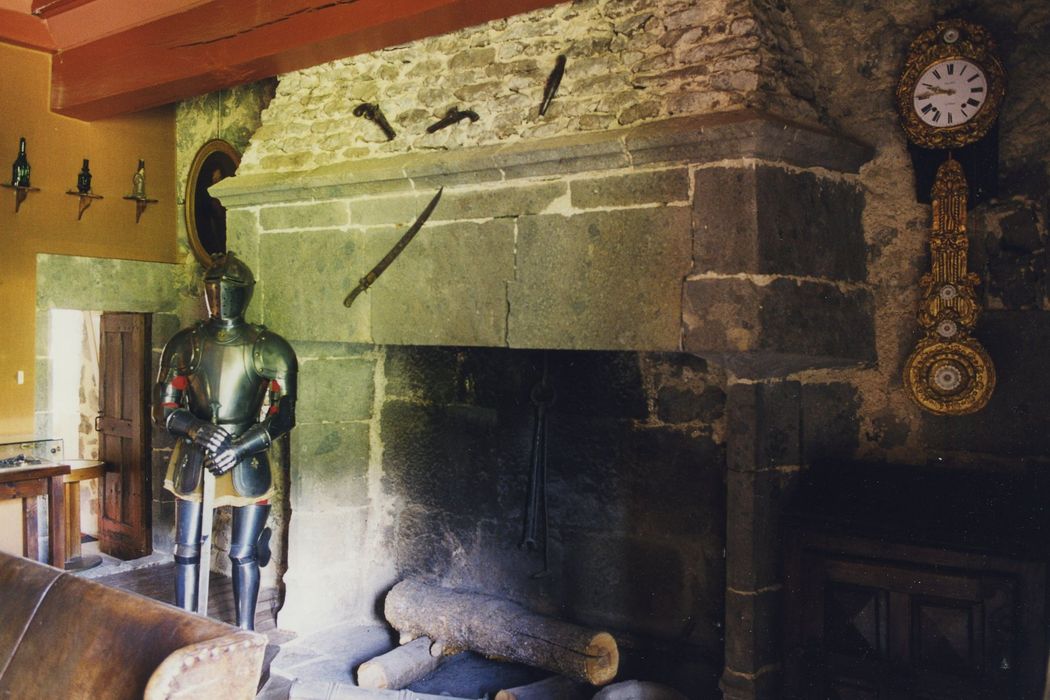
x,y
223,385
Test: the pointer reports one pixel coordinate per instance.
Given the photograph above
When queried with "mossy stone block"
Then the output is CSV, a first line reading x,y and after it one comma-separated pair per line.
x,y
447,288
330,465
335,390
601,280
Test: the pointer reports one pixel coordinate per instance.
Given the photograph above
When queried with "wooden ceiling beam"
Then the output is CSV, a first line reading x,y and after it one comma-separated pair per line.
x,y
25,30
229,42
50,8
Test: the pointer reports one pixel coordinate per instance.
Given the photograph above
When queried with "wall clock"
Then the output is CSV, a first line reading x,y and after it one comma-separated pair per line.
x,y
949,96
952,86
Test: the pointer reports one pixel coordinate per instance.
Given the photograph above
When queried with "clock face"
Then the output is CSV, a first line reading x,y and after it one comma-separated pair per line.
x,y
950,92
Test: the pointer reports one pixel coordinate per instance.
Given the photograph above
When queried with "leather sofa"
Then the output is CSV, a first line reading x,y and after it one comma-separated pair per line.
x,y
66,637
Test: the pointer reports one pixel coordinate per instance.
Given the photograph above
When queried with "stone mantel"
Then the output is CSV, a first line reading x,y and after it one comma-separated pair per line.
x,y
700,234
710,138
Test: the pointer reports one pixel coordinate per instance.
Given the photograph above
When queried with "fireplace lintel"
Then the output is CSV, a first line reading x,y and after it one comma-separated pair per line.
x,y
701,234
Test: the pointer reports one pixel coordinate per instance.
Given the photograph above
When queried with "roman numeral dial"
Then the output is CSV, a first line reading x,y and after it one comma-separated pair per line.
x,y
950,92
952,86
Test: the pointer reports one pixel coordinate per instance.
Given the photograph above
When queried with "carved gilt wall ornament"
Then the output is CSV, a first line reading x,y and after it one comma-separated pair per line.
x,y
952,86
949,372
949,95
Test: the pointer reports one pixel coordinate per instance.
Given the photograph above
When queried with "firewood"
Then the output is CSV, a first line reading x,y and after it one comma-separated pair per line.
x,y
400,666
501,629
329,690
638,690
553,688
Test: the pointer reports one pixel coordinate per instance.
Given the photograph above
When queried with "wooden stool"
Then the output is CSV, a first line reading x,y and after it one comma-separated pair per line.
x,y
80,470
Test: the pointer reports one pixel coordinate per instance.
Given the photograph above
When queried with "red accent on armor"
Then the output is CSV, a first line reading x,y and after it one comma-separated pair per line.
x,y
273,409
179,383
275,386
170,404
263,502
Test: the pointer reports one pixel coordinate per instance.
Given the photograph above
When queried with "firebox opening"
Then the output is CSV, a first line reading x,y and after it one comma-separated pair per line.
x,y
628,515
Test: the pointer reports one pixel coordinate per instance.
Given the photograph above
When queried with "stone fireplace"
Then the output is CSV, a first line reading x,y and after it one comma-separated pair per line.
x,y
644,270
663,252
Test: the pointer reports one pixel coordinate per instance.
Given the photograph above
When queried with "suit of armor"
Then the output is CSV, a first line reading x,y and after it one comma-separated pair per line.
x,y
226,389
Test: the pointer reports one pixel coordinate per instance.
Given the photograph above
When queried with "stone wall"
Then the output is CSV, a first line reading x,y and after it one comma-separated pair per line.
x,y
628,62
861,50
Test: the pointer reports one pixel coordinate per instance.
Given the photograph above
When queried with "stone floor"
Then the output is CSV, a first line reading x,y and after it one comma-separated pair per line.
x,y
323,664
330,656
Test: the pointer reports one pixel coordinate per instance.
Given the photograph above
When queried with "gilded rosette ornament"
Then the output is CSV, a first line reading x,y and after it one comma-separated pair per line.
x,y
949,373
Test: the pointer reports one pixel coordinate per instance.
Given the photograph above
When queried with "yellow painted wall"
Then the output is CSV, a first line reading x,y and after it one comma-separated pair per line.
x,y
47,221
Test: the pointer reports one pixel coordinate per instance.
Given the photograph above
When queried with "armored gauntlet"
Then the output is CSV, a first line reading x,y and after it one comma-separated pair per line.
x,y
208,437
255,439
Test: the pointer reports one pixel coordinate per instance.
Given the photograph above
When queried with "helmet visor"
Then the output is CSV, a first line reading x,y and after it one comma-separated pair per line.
x,y
226,300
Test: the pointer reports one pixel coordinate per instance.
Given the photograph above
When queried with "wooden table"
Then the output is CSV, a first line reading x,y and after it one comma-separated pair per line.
x,y
27,482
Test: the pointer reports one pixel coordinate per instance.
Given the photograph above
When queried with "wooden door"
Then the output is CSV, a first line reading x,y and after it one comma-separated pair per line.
x,y
124,435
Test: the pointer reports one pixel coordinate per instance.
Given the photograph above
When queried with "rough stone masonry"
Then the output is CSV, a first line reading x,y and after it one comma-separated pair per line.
x,y
630,65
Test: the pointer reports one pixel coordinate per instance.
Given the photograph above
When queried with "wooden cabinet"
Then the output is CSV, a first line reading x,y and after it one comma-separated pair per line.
x,y
870,618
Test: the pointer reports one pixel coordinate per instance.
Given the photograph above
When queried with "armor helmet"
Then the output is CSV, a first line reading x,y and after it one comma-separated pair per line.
x,y
228,286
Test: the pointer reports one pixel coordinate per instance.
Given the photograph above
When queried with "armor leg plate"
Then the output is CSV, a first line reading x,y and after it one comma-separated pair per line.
x,y
248,524
187,553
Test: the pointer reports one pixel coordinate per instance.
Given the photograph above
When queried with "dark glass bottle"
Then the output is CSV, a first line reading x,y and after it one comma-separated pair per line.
x,y
138,181
84,179
20,168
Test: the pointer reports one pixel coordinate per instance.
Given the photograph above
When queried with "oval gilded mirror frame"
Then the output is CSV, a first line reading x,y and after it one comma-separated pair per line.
x,y
205,215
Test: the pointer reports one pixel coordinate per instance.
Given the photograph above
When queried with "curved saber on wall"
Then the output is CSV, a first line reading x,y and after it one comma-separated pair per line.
x,y
383,264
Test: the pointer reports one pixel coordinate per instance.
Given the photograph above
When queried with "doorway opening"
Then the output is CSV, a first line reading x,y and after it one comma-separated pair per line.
x,y
73,359
98,402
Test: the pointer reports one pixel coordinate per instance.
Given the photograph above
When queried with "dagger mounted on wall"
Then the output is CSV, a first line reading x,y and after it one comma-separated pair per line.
x,y
383,264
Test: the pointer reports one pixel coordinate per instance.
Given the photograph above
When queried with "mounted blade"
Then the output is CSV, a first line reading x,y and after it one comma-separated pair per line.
x,y
383,264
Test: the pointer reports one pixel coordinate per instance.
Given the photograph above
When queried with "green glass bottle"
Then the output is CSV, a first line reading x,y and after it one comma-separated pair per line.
x,y
84,179
20,168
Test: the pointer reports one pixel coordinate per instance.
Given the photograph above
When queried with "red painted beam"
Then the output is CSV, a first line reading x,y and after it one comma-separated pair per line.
x,y
25,30
228,42
50,8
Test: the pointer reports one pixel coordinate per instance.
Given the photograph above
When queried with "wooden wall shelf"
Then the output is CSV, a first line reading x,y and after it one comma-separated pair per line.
x,y
85,200
140,205
20,193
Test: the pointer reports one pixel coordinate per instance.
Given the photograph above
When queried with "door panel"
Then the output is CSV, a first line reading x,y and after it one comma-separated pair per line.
x,y
896,630
124,435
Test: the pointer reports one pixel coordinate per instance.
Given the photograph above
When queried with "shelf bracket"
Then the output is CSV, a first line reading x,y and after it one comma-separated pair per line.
x,y
20,193
140,205
85,200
